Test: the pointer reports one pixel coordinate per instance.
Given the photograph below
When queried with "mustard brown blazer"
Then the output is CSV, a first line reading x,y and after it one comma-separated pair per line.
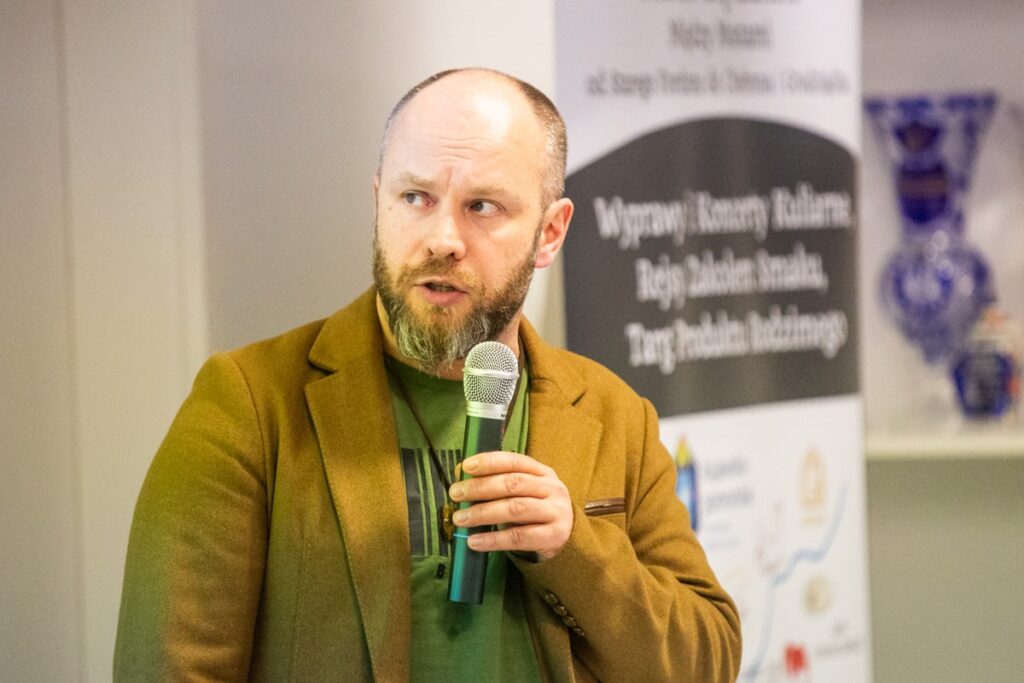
x,y
270,540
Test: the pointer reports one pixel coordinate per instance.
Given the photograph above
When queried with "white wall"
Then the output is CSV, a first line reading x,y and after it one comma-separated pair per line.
x,y
293,108
104,317
945,536
138,319
39,558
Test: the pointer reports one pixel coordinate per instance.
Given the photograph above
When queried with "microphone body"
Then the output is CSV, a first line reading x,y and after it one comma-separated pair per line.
x,y
489,382
469,567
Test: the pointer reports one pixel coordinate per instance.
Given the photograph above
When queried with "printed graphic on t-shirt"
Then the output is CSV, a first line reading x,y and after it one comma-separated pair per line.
x,y
425,496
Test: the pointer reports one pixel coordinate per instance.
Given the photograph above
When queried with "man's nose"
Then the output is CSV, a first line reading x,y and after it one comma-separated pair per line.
x,y
445,236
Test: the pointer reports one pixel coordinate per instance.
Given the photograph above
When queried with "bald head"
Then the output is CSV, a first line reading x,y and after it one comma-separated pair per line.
x,y
485,93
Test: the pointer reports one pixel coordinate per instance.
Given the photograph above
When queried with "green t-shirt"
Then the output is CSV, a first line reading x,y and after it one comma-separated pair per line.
x,y
454,641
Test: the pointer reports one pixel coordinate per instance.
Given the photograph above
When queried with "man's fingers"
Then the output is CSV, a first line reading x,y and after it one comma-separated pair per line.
x,y
506,511
541,538
507,485
497,462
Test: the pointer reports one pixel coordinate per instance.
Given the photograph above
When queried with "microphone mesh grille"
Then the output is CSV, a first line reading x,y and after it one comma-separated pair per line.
x,y
494,390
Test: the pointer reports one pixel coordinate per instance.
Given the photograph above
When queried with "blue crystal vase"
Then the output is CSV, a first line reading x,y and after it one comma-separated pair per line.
x,y
936,284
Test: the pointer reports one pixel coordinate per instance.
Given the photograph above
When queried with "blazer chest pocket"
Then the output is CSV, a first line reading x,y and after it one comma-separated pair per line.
x,y
609,509
605,506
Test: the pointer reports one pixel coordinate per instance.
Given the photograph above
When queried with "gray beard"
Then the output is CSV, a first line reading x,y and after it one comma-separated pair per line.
x,y
437,340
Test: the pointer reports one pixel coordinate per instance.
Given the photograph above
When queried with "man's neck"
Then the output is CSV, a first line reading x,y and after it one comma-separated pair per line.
x,y
509,337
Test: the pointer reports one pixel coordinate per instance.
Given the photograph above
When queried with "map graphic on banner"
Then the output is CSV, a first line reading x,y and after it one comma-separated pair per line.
x,y
712,264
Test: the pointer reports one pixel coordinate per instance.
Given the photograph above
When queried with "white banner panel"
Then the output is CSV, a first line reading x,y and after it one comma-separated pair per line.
x,y
712,264
779,509
654,62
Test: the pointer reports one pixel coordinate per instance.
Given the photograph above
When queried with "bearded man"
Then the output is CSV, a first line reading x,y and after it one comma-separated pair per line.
x,y
292,525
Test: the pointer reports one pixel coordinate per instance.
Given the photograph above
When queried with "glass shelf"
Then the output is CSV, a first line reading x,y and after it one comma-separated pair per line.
x,y
969,442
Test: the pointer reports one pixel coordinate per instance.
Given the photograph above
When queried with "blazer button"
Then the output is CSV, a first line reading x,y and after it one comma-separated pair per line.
x,y
569,621
560,610
578,631
551,598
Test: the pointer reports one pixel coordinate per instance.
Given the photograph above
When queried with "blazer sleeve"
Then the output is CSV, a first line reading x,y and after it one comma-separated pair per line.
x,y
642,602
197,547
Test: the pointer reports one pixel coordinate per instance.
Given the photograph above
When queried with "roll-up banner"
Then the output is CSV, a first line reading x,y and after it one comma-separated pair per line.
x,y
712,264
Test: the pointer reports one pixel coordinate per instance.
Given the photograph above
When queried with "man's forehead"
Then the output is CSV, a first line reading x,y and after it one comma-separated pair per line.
x,y
470,103
490,129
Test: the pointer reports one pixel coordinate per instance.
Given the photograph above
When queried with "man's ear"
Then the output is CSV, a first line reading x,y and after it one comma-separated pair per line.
x,y
553,229
376,184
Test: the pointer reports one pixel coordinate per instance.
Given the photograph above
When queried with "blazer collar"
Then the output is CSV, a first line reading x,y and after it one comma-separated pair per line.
x,y
351,334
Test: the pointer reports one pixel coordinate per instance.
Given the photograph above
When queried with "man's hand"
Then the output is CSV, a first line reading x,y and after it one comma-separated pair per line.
x,y
517,491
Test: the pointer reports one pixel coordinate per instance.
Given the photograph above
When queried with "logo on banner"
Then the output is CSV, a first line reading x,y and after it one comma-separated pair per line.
x,y
686,482
798,667
813,491
818,594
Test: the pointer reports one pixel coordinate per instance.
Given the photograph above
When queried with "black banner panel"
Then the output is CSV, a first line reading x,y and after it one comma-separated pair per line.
x,y
712,263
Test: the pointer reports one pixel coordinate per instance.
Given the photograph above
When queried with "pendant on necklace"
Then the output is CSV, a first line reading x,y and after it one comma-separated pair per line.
x,y
447,525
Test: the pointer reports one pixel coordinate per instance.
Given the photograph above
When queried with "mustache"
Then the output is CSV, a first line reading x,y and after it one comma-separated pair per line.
x,y
440,267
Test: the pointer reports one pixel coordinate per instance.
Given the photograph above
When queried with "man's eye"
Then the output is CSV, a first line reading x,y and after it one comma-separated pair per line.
x,y
484,207
414,198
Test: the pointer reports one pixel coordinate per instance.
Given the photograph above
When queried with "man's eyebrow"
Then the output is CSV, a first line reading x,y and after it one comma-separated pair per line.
x,y
492,190
407,178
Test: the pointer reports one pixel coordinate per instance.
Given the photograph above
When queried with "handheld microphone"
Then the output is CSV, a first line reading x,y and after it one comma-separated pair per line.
x,y
489,381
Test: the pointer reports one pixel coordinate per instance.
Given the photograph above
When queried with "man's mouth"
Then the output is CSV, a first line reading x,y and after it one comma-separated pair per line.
x,y
439,292
440,286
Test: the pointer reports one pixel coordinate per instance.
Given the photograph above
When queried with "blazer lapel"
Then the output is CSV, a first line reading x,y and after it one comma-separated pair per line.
x,y
351,411
560,435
